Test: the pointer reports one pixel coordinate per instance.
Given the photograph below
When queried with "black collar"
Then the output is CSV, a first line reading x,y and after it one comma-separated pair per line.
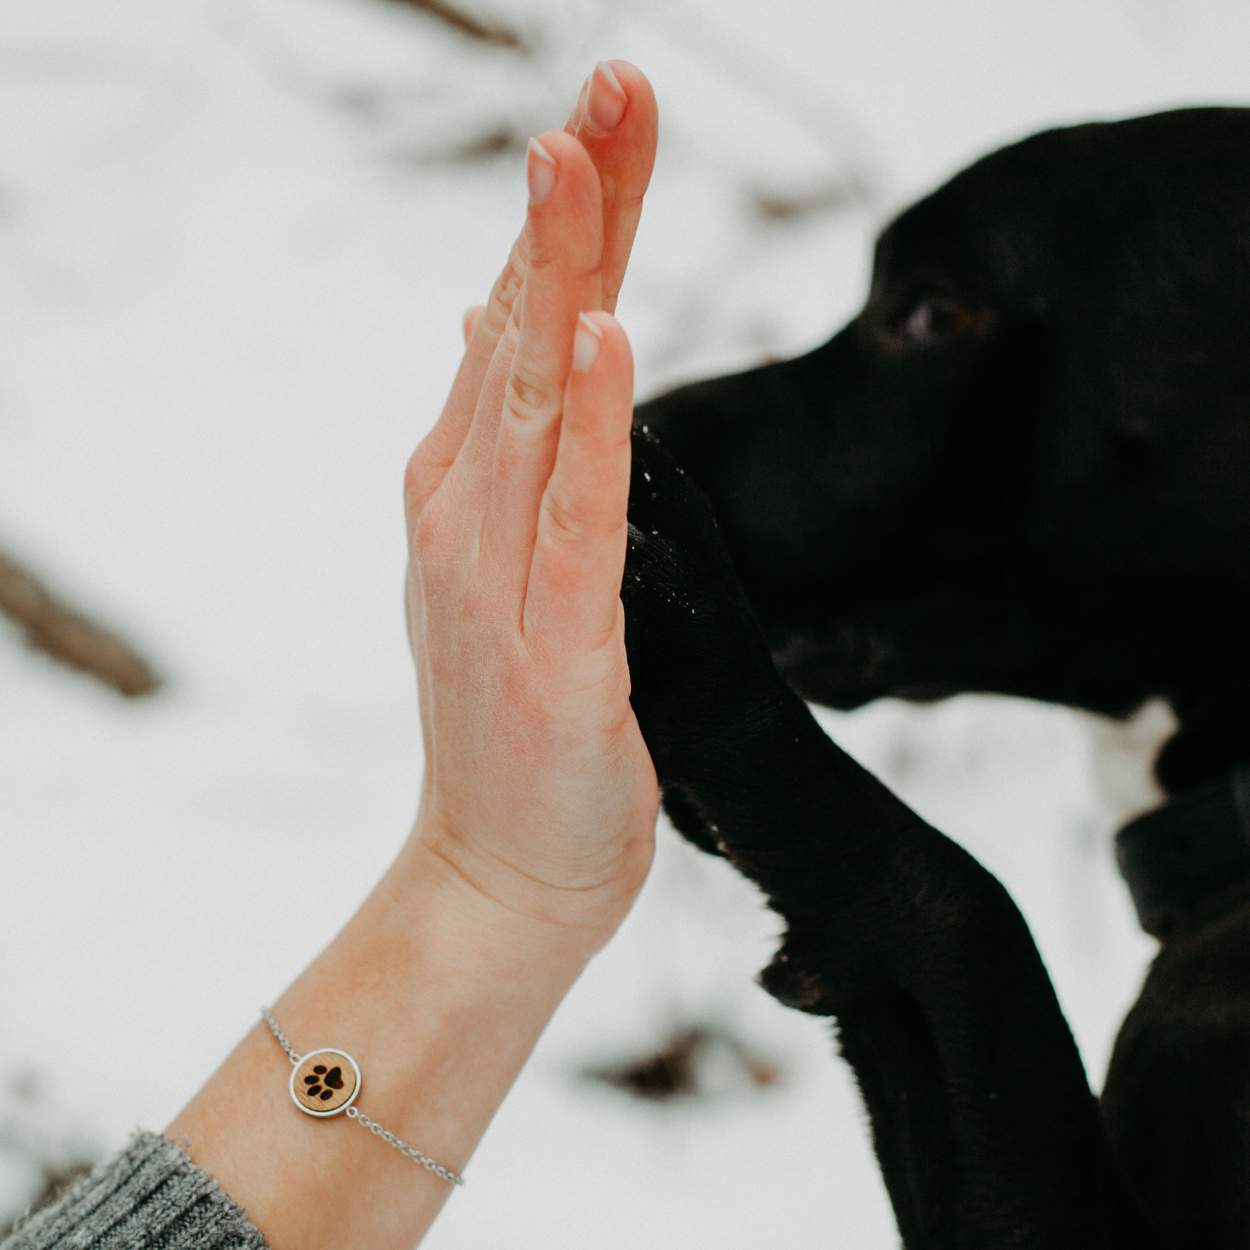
x,y
1176,858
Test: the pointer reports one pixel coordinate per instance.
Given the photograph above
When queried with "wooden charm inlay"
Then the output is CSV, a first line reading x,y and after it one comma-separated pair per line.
x,y
325,1082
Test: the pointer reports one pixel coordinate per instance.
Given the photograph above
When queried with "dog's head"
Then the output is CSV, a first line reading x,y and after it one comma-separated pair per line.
x,y
1025,465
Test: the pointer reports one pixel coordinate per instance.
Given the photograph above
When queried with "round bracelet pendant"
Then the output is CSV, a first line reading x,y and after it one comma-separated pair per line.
x,y
325,1082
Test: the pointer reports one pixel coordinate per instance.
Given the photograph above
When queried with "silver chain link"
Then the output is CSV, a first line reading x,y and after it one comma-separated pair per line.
x,y
411,1152
280,1037
354,1113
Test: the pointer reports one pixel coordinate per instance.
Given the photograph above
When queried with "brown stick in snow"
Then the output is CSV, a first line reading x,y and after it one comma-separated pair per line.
x,y
70,638
467,24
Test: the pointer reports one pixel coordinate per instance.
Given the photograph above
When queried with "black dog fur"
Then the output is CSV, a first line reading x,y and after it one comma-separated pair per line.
x,y
1024,467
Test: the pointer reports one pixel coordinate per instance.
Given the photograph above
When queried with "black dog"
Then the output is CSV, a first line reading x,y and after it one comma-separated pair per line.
x,y
1023,467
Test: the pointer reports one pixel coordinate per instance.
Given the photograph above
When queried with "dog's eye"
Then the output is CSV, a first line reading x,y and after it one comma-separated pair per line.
x,y
936,318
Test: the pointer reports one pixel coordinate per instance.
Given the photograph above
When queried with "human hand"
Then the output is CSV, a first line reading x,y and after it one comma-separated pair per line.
x,y
538,790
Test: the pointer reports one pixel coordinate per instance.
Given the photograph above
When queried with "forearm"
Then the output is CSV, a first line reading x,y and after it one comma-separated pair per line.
x,y
440,995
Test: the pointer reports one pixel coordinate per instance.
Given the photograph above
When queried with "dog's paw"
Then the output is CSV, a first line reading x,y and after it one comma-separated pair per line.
x,y
793,986
699,664
805,975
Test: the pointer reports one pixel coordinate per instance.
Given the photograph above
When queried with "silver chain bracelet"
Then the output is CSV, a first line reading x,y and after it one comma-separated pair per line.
x,y
326,1081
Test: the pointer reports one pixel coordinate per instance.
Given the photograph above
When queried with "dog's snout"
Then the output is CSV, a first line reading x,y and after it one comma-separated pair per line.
x,y
704,426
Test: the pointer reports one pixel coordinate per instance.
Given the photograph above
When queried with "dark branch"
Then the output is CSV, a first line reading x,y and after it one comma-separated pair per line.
x,y
68,636
467,24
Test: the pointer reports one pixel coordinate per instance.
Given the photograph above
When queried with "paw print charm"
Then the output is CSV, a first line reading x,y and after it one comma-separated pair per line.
x,y
332,1080
325,1082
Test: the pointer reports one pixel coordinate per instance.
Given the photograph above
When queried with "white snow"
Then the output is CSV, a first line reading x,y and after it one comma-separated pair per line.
x,y
229,309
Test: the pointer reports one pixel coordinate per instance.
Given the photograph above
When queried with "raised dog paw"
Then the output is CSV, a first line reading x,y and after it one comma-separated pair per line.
x,y
793,985
699,665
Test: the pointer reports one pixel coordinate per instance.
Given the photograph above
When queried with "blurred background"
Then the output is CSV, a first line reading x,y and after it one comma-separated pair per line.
x,y
236,239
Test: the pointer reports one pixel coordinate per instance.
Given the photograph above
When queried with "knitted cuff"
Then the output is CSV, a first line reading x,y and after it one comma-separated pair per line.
x,y
148,1197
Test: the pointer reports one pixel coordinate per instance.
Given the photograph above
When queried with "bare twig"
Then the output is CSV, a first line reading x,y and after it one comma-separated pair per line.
x,y
672,1070
483,145
749,69
53,1182
474,27
69,637
29,1136
786,206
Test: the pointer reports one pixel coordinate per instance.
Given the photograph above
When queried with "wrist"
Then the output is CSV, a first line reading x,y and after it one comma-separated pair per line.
x,y
440,1000
499,908
447,917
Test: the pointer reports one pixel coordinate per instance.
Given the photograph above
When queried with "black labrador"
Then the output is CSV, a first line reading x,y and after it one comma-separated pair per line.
x,y
1023,467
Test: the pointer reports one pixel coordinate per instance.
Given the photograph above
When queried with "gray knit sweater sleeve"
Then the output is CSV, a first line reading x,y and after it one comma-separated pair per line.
x,y
148,1197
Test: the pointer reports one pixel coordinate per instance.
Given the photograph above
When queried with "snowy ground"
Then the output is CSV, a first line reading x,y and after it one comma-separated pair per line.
x,y
234,247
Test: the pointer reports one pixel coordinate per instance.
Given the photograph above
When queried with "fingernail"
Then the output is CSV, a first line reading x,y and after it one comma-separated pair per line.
x,y
540,170
605,101
587,340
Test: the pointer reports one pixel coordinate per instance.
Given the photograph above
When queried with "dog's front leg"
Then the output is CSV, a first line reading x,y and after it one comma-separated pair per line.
x,y
983,1120
1177,1095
